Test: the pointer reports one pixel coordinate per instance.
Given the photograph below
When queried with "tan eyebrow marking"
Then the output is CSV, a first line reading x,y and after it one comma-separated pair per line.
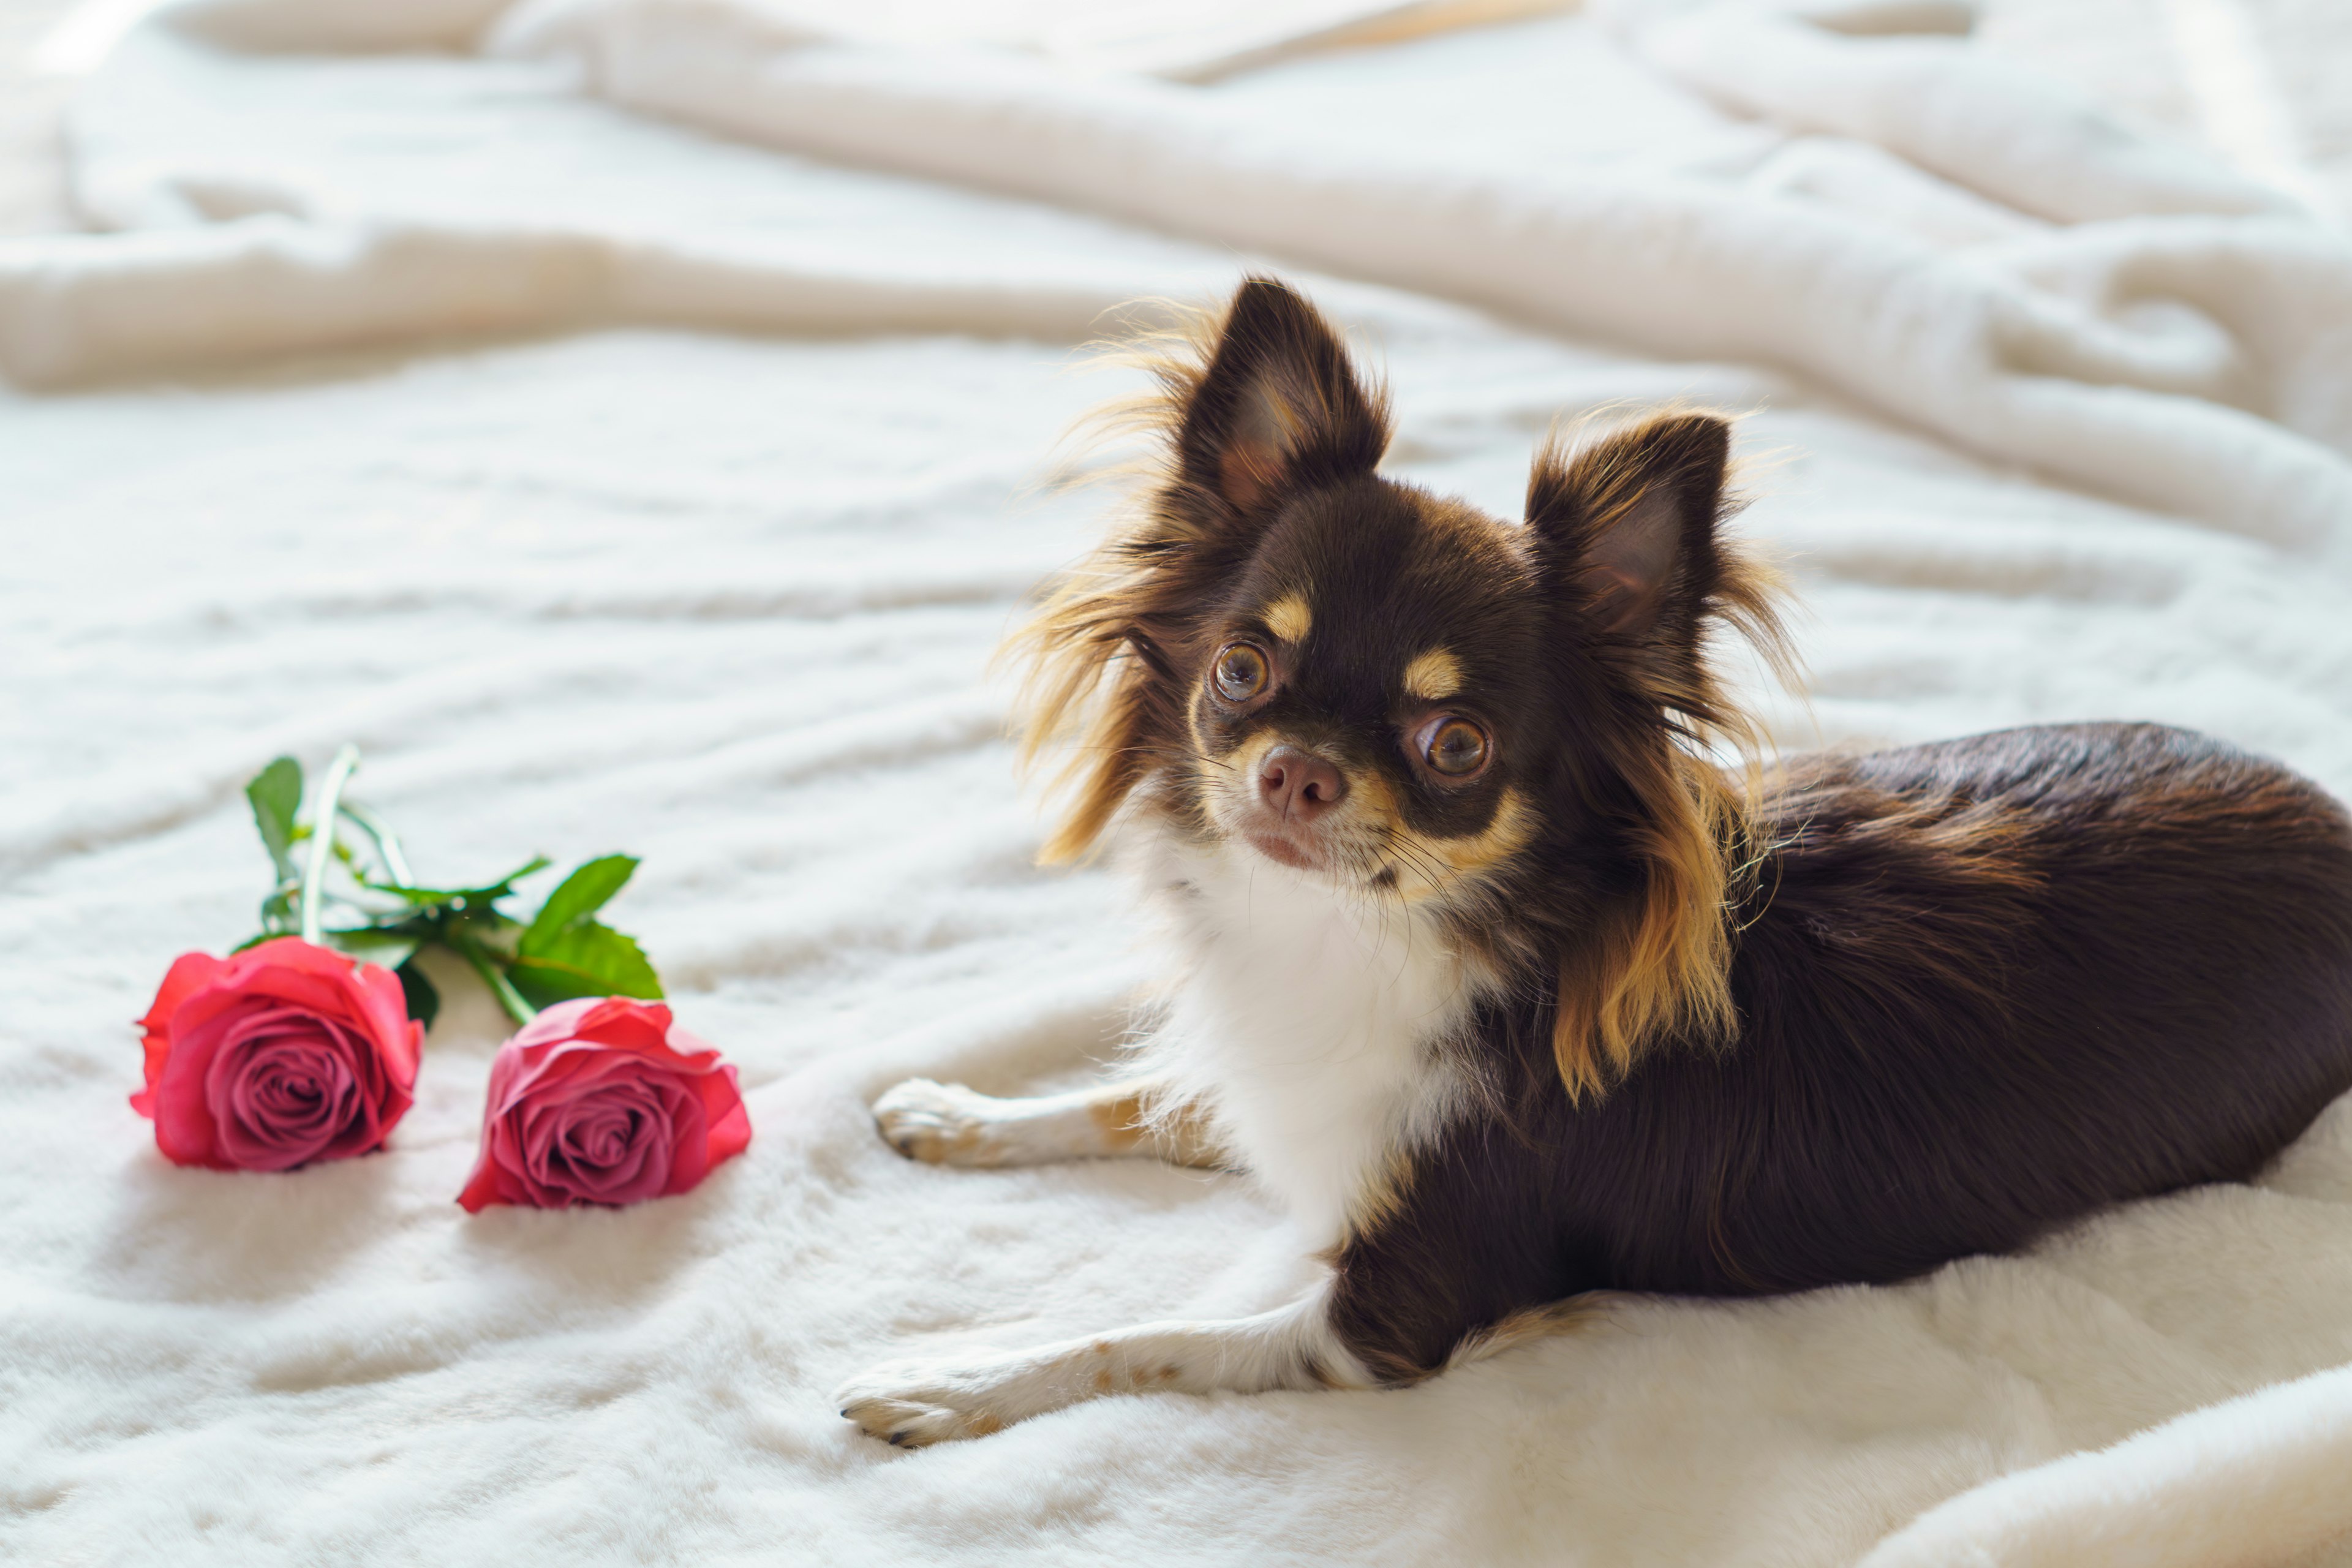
x,y
1288,619
1433,674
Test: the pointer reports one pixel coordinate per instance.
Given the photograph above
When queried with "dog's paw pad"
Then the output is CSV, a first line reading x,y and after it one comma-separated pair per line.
x,y
940,1123
913,1417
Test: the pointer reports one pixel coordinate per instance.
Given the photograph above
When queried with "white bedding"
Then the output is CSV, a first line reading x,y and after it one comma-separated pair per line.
x,y
645,457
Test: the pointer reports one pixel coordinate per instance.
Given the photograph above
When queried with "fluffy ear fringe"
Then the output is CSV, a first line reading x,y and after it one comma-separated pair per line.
x,y
1081,714
1659,964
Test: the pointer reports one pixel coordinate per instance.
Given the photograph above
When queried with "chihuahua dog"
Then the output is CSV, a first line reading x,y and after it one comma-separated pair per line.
x,y
1511,992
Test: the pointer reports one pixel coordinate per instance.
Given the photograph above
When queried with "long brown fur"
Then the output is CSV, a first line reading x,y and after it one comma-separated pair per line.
x,y
1662,963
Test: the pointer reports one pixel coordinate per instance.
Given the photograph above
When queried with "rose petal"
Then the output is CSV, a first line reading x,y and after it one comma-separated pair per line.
x,y
593,1101
730,1121
189,972
627,1024
612,1148
233,1042
283,1090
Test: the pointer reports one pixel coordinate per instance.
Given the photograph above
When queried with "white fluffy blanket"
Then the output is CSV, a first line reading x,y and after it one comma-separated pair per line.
x,y
621,417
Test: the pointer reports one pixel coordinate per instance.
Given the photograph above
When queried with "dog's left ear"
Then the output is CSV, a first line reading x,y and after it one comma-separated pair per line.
x,y
1627,528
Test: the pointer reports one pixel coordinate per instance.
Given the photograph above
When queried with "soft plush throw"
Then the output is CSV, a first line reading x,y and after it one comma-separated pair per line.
x,y
630,422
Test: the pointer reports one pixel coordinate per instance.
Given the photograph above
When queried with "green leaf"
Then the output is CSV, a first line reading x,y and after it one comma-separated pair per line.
x,y
586,960
371,945
568,952
276,793
424,996
575,903
464,899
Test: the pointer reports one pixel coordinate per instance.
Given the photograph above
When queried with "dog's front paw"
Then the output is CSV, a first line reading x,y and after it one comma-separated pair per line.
x,y
940,1123
914,1404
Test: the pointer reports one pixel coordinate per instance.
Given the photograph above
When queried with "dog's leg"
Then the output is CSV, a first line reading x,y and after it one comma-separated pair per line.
x,y
932,1399
947,1124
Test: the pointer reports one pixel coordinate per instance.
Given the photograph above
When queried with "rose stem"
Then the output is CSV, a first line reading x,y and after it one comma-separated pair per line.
x,y
520,1011
322,838
387,843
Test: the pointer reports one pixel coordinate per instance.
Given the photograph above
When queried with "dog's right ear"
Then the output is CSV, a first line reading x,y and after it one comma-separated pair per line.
x,y
1278,407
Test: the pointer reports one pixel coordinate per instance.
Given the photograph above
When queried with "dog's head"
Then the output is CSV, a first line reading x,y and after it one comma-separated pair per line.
x,y
1288,656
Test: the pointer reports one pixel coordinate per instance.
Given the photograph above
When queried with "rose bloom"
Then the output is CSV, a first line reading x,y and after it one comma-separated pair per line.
x,y
603,1100
276,1056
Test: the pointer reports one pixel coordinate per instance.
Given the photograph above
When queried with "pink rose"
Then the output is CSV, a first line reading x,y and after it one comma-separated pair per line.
x,y
602,1100
275,1057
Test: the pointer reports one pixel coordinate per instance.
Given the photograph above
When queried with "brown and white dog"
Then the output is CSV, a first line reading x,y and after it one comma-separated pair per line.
x,y
1512,993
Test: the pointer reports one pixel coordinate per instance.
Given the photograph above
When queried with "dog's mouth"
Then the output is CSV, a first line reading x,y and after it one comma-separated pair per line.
x,y
1336,865
1284,849
1341,856
1346,855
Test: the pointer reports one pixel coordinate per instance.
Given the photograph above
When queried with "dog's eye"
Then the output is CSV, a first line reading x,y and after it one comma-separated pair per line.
x,y
1456,749
1240,673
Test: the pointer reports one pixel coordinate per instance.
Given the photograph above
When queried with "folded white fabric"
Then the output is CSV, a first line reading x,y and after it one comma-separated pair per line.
x,y
723,595
2252,1480
2180,351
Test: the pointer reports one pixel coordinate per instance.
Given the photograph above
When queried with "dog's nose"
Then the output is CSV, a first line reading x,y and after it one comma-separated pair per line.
x,y
1299,786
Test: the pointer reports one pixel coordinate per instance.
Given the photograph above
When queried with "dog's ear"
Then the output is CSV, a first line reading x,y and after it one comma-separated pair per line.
x,y
1626,526
1278,407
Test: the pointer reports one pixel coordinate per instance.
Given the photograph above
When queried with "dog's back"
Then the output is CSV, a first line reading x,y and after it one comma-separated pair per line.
x,y
2062,965
1985,987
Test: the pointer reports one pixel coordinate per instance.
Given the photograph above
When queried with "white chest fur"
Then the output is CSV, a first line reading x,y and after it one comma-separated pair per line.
x,y
1307,1019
